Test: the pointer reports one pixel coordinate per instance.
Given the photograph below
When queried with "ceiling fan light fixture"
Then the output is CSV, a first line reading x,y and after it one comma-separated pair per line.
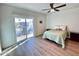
x,y
52,10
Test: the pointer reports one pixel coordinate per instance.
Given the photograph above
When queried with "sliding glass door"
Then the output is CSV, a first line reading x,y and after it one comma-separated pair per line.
x,y
24,28
20,25
30,27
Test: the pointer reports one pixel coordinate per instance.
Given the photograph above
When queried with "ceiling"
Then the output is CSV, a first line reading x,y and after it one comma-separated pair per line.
x,y
39,6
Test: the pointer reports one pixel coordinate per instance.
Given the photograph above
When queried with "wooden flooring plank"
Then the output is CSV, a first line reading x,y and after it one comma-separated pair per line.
x,y
38,46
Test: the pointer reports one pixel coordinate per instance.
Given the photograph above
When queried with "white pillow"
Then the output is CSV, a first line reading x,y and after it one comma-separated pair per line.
x,y
56,27
63,27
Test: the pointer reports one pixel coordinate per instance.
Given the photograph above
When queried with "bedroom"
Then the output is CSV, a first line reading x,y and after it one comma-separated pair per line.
x,y
67,16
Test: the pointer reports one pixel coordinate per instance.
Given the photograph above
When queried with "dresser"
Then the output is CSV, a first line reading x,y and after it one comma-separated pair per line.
x,y
74,36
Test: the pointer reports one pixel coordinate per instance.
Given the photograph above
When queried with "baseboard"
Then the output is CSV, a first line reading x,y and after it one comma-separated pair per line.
x,y
38,35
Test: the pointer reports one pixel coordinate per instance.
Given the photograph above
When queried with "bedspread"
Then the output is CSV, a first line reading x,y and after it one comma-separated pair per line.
x,y
57,36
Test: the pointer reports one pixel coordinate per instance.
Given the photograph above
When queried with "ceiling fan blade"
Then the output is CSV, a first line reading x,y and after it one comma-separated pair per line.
x,y
49,11
45,9
56,9
61,6
51,5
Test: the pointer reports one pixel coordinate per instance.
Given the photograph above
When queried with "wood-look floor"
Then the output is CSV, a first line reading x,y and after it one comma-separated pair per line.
x,y
42,47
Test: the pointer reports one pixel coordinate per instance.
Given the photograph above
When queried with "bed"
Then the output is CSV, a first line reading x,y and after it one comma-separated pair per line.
x,y
57,34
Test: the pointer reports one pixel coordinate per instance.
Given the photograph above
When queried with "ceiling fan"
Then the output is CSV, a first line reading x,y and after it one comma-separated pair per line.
x,y
52,8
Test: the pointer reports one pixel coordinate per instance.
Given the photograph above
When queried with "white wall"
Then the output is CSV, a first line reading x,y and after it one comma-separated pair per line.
x,y
40,27
7,23
68,17
0,34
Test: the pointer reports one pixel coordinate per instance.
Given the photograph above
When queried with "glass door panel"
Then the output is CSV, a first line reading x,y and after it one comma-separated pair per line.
x,y
20,25
30,28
